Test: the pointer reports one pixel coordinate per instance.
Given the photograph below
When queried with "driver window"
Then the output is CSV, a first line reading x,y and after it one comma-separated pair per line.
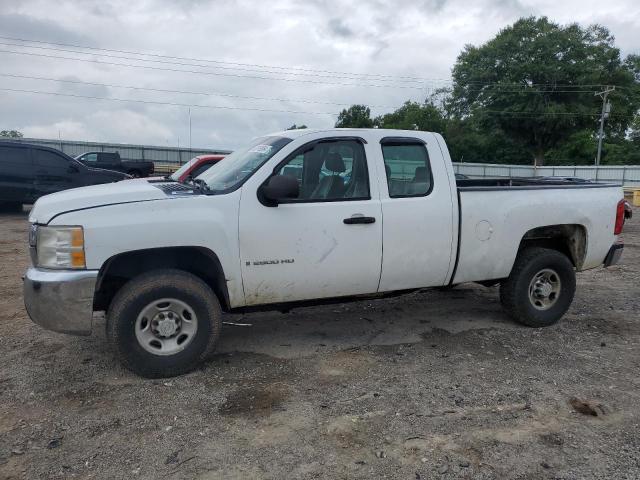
x,y
329,171
90,157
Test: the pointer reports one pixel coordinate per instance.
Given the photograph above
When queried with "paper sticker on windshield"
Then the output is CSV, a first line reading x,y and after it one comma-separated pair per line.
x,y
262,149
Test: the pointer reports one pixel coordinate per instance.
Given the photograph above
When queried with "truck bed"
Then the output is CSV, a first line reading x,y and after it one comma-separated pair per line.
x,y
495,214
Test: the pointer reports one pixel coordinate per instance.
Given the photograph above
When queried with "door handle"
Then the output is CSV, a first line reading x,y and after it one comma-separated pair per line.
x,y
360,219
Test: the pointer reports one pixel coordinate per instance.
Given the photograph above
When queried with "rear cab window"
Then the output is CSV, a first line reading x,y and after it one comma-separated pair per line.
x,y
407,167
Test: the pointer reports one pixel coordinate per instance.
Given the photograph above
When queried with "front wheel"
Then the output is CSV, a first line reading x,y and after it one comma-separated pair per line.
x,y
164,323
540,288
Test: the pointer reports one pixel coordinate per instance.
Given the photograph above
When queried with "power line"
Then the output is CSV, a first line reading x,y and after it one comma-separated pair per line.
x,y
342,73
151,67
120,57
541,91
186,92
223,107
198,72
173,104
130,52
408,79
217,94
530,85
531,114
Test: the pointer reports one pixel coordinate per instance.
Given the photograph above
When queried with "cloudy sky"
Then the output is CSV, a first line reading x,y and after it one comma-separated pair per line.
x,y
242,68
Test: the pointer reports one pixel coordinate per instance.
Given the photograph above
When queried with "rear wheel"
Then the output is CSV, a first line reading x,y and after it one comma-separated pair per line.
x,y
135,173
164,323
540,288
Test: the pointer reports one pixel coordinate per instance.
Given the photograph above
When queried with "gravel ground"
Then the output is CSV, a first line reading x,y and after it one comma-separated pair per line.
x,y
435,384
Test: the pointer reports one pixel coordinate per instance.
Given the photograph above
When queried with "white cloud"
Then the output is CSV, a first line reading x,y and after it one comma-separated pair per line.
x,y
64,129
401,38
124,124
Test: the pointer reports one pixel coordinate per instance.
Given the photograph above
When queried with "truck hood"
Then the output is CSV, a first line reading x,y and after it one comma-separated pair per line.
x,y
127,191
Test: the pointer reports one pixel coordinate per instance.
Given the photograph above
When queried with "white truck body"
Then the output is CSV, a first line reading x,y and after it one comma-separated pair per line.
x,y
300,251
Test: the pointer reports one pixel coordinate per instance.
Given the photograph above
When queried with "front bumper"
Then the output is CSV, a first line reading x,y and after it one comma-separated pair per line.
x,y
613,257
61,300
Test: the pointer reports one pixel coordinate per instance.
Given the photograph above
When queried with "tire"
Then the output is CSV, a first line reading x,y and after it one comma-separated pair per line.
x,y
146,340
135,173
540,288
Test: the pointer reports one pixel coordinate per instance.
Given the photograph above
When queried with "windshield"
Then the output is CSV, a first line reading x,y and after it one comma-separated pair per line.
x,y
175,176
241,164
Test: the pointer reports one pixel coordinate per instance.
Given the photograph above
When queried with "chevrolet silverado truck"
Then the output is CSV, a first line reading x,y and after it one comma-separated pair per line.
x,y
112,161
304,217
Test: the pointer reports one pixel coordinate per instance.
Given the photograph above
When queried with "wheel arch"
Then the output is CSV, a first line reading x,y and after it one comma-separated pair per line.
x,y
569,239
120,268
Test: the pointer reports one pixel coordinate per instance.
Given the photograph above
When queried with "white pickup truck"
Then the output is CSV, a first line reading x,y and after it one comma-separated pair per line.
x,y
305,216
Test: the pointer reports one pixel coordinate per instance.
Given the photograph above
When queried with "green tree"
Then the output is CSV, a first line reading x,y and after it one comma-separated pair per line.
x,y
577,149
634,134
356,116
535,81
11,134
413,116
468,141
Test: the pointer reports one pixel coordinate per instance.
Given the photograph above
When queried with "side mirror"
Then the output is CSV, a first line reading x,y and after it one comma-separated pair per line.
x,y
73,168
278,188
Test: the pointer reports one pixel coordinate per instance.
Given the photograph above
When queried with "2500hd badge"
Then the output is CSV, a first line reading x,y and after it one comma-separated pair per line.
x,y
271,262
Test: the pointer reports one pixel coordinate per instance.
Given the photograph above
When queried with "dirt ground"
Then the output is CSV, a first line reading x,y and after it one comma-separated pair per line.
x,y
435,384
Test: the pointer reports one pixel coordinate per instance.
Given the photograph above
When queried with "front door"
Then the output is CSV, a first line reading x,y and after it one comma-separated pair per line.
x,y
325,243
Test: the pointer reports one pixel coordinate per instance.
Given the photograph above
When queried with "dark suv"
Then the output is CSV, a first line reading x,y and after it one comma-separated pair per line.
x,y
31,171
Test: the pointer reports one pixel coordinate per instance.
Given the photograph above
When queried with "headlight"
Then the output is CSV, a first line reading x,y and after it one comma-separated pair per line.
x,y
60,247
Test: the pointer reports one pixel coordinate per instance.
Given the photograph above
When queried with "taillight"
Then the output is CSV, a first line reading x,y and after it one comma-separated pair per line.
x,y
619,218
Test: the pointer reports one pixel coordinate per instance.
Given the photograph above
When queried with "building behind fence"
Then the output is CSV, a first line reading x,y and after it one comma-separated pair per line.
x,y
159,155
628,175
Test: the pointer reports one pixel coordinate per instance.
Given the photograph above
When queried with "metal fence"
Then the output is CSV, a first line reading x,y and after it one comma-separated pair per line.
x,y
156,154
627,175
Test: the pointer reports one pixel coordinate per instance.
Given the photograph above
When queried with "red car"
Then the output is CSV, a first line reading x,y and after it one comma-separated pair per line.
x,y
195,167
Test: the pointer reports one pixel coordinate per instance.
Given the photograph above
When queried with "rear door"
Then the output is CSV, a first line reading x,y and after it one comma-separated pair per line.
x,y
16,174
419,214
54,172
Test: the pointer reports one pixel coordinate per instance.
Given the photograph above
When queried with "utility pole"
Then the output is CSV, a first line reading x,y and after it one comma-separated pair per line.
x,y
606,108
